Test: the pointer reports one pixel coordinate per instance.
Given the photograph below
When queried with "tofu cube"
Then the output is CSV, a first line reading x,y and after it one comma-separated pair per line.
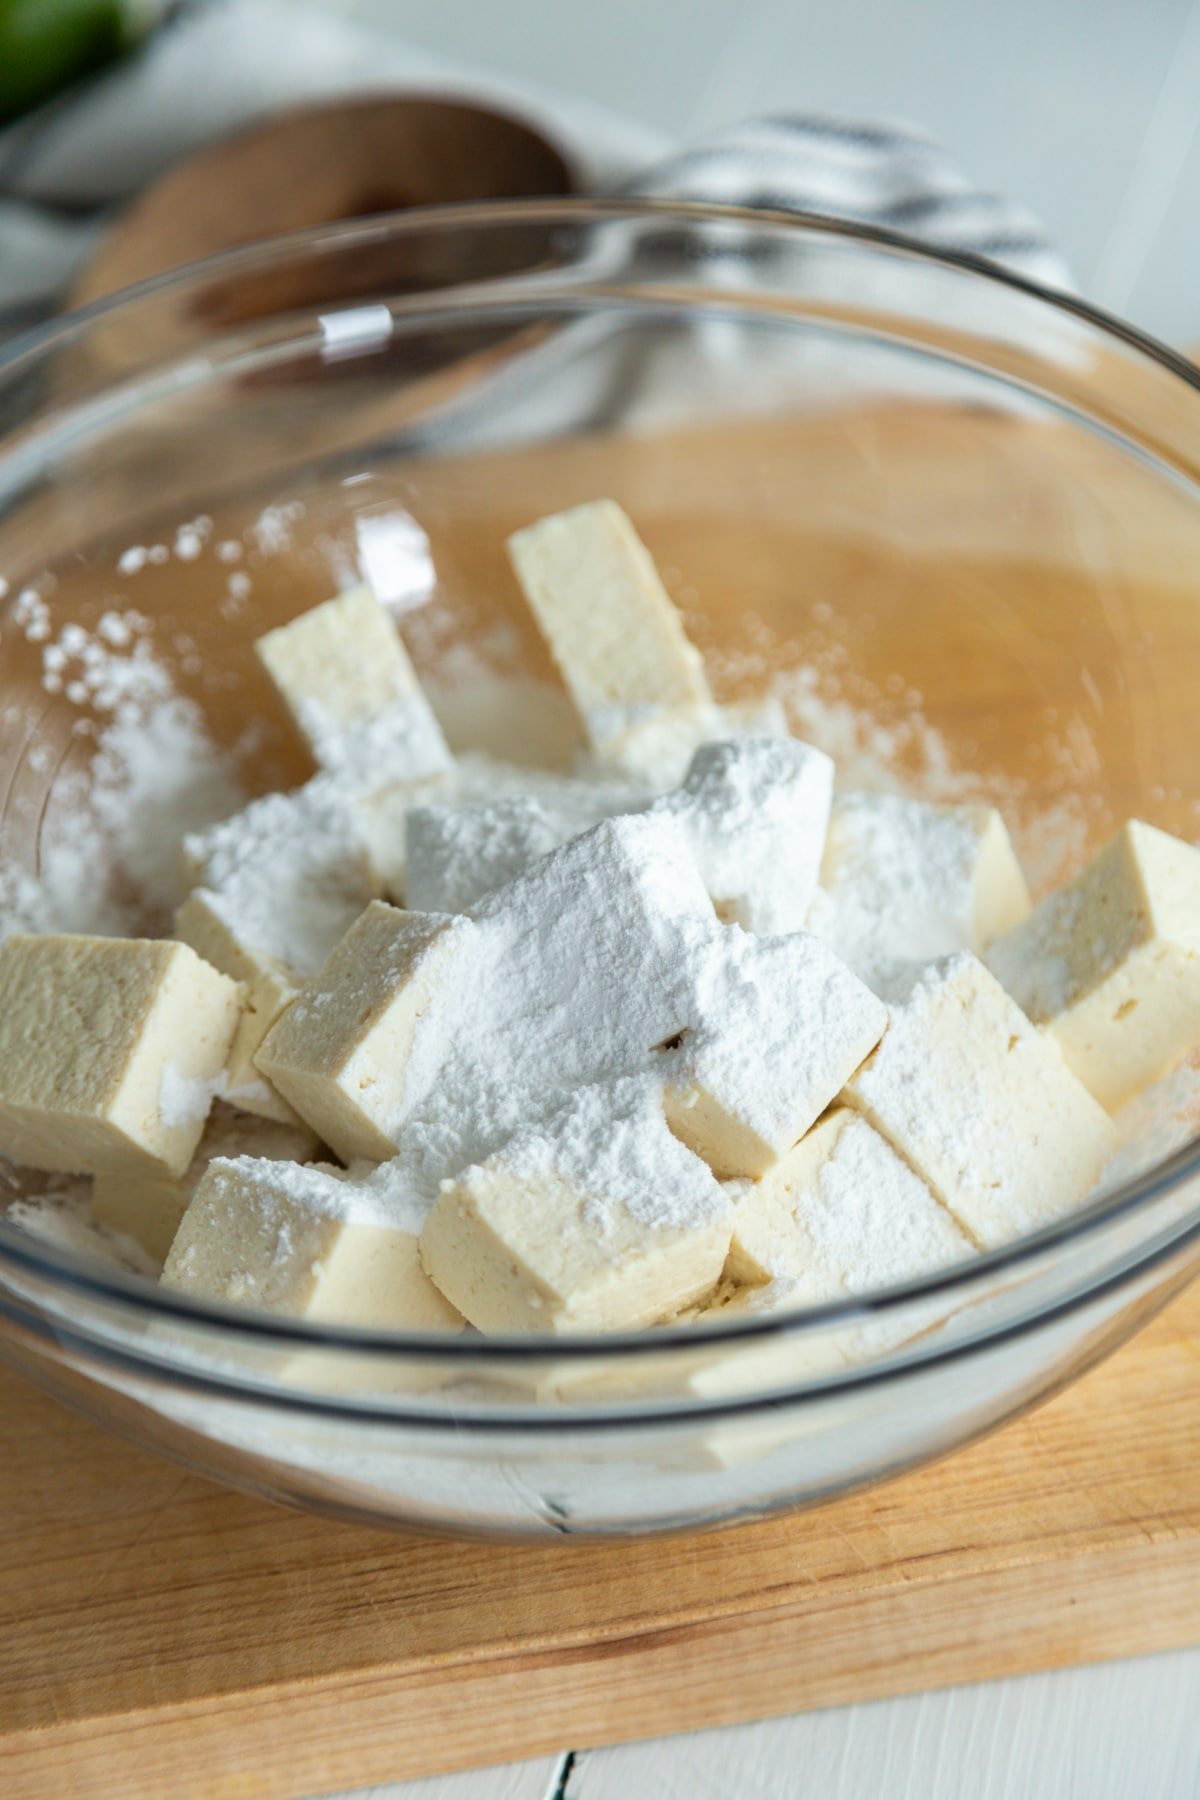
x,y
364,1038
266,989
110,1050
148,1207
904,882
598,1220
611,626
345,678
840,1214
755,814
789,1026
1110,964
290,873
309,1242
981,1105
281,883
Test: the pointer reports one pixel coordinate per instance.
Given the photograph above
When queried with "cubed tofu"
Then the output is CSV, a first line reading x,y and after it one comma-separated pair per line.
x,y
110,1050
1110,964
788,1024
148,1206
841,1214
759,1365
981,1105
364,1038
281,883
598,1220
290,872
755,813
345,677
309,1242
267,987
611,626
904,882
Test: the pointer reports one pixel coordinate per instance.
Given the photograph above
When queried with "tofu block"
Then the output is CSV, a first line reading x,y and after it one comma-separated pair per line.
x,y
841,1214
345,678
789,1026
598,1220
148,1206
1110,964
755,814
267,987
290,873
110,1050
757,1366
364,1038
981,1105
309,1242
611,626
904,882
280,884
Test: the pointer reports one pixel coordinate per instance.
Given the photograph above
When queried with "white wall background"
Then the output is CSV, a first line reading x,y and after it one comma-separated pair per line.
x,y
1088,110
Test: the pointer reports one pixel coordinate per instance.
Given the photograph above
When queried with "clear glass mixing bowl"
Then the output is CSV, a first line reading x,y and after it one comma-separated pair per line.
x,y
953,520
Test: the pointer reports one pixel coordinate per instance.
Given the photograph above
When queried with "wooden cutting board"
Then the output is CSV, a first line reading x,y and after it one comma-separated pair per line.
x,y
163,1636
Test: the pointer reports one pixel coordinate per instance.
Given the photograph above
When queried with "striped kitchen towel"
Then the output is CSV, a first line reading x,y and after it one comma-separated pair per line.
x,y
218,65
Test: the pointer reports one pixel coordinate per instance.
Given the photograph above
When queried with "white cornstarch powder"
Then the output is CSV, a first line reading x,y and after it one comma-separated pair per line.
x,y
182,1099
898,882
755,813
610,1144
289,874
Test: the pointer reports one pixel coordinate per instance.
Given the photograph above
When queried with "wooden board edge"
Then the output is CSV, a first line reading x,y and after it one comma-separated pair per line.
x,y
300,1738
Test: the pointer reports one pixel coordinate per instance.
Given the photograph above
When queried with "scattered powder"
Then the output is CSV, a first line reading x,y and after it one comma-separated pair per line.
x,y
60,1217
191,538
271,532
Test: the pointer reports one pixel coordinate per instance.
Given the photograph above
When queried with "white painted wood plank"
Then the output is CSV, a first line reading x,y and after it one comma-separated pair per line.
x,y
514,1781
1119,1731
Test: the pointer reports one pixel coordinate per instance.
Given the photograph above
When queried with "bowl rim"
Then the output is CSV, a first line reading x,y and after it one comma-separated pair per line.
x,y
79,1274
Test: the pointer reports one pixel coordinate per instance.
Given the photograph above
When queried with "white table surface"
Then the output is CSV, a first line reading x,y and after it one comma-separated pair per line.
x,y
1087,110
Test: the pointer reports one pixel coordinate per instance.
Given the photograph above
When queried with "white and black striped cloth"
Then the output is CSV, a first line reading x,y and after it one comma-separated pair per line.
x,y
217,65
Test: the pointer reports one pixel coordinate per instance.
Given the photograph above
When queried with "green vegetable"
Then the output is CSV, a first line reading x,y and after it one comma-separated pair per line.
x,y
44,44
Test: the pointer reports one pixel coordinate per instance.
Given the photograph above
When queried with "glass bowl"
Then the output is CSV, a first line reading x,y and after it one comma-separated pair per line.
x,y
951,520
